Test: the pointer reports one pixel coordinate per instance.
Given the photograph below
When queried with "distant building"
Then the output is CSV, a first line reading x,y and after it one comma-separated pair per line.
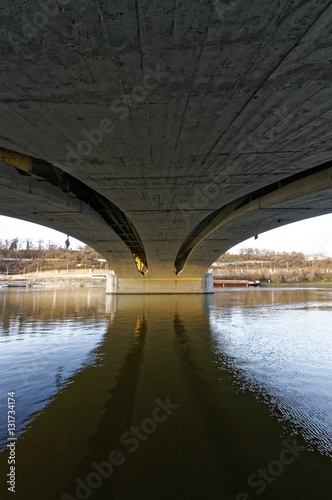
x,y
316,257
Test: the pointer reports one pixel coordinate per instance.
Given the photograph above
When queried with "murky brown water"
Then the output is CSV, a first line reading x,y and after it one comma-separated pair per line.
x,y
181,397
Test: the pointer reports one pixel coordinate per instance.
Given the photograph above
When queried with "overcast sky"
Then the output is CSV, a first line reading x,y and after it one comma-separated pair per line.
x,y
309,236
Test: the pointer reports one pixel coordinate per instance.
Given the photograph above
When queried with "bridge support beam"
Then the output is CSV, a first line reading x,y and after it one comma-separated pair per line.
x,y
147,285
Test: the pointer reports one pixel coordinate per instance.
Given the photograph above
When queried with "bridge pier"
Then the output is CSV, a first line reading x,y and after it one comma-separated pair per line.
x,y
147,285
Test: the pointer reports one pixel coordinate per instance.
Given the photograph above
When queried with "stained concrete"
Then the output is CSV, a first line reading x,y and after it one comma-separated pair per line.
x,y
171,111
159,285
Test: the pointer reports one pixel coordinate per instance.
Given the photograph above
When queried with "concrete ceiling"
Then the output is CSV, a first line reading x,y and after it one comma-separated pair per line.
x,y
170,110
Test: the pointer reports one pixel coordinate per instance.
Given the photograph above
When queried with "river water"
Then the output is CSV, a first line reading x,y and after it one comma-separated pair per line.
x,y
168,397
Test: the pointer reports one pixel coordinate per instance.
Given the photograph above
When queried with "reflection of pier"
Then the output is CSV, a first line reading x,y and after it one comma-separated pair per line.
x,y
154,347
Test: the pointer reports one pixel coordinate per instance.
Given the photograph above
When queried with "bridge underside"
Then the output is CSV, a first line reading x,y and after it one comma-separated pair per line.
x,y
36,200
163,136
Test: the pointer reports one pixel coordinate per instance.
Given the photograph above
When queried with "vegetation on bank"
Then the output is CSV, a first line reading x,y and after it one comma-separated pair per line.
x,y
18,257
23,256
274,267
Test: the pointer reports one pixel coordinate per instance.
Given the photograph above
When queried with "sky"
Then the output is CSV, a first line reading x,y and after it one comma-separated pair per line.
x,y
310,236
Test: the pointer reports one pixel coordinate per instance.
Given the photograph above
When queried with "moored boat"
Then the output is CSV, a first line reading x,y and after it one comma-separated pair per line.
x,y
242,283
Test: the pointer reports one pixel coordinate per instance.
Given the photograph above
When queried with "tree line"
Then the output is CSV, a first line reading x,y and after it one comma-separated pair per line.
x,y
29,244
293,258
275,267
24,256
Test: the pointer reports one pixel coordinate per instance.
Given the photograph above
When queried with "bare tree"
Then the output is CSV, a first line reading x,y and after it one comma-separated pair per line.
x,y
28,244
52,245
13,244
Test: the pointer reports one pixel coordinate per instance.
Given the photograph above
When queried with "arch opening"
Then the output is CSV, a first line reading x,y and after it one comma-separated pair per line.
x,y
42,171
273,196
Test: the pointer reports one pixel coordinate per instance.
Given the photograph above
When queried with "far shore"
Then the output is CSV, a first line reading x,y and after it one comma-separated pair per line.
x,y
80,278
63,279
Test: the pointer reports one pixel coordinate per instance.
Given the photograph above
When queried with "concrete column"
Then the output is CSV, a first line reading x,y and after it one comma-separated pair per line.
x,y
111,283
145,285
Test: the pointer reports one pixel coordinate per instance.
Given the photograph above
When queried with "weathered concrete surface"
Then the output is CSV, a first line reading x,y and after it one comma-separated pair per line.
x,y
170,111
159,285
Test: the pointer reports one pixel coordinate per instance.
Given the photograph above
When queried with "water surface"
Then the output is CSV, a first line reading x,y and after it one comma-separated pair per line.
x,y
196,396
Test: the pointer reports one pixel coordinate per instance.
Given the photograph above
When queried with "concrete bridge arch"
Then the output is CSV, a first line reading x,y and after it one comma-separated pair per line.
x,y
145,125
41,193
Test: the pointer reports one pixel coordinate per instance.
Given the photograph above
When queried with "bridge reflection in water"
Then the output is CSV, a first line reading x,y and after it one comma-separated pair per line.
x,y
158,350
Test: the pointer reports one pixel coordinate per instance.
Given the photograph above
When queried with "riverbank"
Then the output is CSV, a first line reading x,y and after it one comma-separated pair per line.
x,y
299,284
67,280
74,279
